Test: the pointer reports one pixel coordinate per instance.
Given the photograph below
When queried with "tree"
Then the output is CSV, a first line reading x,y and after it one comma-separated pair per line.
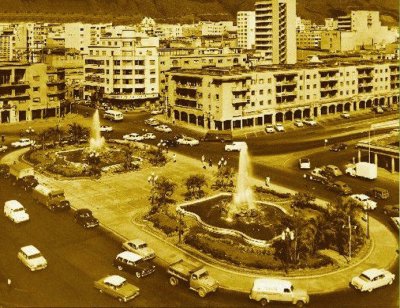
x,y
194,185
161,192
157,157
224,178
77,131
55,133
302,200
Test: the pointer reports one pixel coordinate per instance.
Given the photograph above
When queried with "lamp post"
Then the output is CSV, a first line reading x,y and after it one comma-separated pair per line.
x,y
288,236
152,180
180,225
350,228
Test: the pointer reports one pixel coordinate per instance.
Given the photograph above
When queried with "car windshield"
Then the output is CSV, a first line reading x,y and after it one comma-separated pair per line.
x,y
34,256
21,209
86,214
364,277
141,246
203,275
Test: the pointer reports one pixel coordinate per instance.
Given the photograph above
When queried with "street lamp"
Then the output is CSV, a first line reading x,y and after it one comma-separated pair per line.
x,y
288,236
350,228
152,180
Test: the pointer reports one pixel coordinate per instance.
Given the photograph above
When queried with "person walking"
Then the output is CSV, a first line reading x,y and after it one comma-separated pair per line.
x,y
210,162
174,157
267,181
203,158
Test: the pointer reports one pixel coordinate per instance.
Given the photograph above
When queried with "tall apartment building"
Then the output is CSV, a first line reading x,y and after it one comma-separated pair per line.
x,y
80,36
123,69
246,29
236,98
30,91
276,30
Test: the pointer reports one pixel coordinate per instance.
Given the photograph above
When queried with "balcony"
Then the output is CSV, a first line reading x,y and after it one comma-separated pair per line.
x,y
55,82
364,76
15,96
240,89
56,92
286,82
15,84
191,86
329,89
186,97
329,78
365,85
130,96
286,94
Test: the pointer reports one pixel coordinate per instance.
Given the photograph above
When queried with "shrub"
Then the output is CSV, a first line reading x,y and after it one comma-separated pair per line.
x,y
164,222
264,190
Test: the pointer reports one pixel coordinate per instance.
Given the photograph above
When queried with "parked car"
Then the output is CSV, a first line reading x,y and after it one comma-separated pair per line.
x,y
151,122
371,279
15,211
332,170
163,128
148,136
236,146
23,142
187,141
340,187
133,137
310,122
279,127
157,111
3,148
106,128
391,210
304,163
337,147
139,247
345,115
117,286
364,201
298,123
31,257
269,128
134,264
217,136
85,218
27,182
378,193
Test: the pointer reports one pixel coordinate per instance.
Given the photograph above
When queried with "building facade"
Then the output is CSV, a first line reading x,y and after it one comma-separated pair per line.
x,y
227,99
276,30
246,29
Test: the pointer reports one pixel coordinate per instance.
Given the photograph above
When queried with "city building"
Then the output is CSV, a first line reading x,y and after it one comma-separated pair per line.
x,y
168,31
276,30
246,29
30,91
123,69
236,98
209,28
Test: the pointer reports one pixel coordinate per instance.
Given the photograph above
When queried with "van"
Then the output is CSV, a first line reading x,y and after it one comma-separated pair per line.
x,y
15,211
113,115
379,193
266,290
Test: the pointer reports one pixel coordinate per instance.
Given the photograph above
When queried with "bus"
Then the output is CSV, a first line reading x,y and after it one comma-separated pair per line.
x,y
113,115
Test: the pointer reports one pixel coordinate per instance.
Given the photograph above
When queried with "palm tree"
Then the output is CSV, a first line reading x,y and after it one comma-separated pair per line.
x,y
77,131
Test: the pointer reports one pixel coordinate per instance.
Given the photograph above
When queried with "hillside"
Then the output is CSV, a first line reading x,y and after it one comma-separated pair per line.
x,y
124,11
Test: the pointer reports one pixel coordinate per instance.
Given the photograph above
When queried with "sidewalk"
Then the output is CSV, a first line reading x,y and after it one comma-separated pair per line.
x,y
120,209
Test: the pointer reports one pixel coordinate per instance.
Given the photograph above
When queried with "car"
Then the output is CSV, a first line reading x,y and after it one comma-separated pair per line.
x,y
378,109
148,136
378,193
310,122
106,128
3,148
396,221
85,218
364,201
298,123
157,111
345,115
187,141
269,128
337,147
171,143
133,137
23,142
332,170
31,257
134,264
236,146
151,122
391,210
371,279
279,127
339,187
15,211
117,286
163,128
27,182
304,163
139,247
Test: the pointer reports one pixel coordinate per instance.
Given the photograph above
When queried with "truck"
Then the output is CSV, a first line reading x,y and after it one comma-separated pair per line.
x,y
195,275
363,170
53,199
23,175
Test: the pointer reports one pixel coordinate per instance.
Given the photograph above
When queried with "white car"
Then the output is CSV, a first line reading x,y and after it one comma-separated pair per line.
x,y
188,141
106,128
139,247
148,136
304,163
298,123
133,137
3,148
163,128
235,146
371,279
156,111
23,142
151,122
269,128
279,127
310,122
345,115
15,211
364,201
32,258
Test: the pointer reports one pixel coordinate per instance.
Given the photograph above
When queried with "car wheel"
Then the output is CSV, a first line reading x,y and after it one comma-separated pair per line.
x,y
264,302
390,281
100,290
370,290
138,275
300,304
202,292
173,281
120,268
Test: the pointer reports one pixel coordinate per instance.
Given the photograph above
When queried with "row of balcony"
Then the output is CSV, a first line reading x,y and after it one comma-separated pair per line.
x,y
14,96
192,86
15,84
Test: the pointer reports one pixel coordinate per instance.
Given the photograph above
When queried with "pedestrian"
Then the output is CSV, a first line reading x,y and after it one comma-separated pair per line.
x,y
9,283
210,162
203,158
204,165
3,138
174,157
219,164
267,181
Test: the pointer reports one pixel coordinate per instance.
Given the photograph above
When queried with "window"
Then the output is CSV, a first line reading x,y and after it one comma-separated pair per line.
x,y
36,89
152,80
261,92
36,78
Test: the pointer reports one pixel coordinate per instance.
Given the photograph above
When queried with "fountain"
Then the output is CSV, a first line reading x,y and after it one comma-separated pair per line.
x,y
97,142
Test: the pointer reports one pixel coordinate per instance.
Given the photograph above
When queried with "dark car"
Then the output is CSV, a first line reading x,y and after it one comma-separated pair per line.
x,y
134,264
391,210
340,187
337,147
84,217
378,193
170,143
27,182
217,136
4,171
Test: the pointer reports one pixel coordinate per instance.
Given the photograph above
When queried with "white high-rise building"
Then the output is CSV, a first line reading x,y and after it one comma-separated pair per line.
x,y
246,29
276,30
80,36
